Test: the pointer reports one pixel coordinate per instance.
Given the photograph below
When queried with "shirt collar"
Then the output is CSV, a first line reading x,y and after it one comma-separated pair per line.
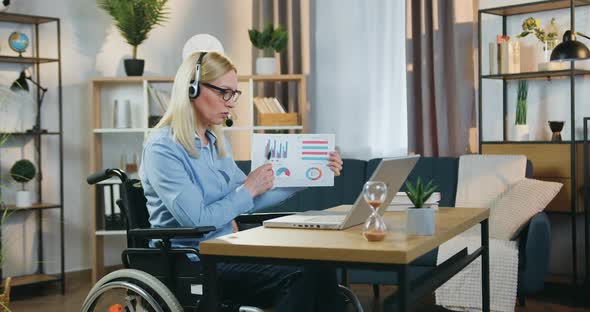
x,y
210,135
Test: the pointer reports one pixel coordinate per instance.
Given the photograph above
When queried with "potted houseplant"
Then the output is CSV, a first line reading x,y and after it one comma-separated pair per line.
x,y
5,295
22,172
270,40
135,19
420,220
521,129
548,39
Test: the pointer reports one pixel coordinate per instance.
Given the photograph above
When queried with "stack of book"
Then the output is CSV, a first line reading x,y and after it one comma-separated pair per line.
x,y
268,105
110,191
505,54
161,99
401,202
272,113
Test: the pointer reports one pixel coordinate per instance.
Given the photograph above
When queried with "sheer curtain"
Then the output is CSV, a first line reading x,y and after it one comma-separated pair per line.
x,y
358,76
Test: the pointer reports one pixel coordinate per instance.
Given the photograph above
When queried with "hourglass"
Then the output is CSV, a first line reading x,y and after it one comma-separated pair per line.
x,y
374,193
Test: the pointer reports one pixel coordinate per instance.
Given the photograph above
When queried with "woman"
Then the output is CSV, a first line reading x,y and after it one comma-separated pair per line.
x,y
190,179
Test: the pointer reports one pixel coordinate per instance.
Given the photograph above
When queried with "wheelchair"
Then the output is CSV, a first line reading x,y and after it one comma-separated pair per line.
x,y
160,278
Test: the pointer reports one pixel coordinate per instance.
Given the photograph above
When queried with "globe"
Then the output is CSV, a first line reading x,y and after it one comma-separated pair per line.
x,y
18,42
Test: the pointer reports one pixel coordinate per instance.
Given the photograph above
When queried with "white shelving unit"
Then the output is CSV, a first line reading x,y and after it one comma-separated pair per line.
x,y
109,143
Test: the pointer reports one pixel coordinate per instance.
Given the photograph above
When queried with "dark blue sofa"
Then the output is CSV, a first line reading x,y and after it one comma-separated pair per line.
x,y
534,237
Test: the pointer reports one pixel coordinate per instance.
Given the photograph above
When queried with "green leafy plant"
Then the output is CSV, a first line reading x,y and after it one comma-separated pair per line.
x,y
521,102
533,26
269,39
5,296
136,18
23,171
419,193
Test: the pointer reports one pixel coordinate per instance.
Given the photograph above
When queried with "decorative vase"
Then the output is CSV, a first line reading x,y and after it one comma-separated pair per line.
x,y
546,48
556,127
134,67
420,221
521,133
266,66
23,199
122,114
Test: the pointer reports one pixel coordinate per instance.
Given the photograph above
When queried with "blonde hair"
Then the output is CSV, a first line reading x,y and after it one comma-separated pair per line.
x,y
180,115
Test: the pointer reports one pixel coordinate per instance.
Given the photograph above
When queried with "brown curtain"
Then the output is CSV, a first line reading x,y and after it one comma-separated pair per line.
x,y
441,51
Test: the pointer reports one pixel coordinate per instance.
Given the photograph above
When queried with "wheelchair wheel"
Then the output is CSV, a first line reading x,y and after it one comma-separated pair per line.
x,y
130,290
351,298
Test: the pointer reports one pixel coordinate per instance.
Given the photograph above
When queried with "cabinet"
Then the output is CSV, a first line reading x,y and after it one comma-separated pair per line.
x,y
109,143
49,175
553,161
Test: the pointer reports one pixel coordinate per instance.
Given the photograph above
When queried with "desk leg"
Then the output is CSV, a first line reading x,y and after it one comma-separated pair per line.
x,y
210,298
485,266
404,289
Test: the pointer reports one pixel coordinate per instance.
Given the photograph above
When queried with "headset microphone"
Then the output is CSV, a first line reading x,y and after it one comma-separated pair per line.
x,y
228,121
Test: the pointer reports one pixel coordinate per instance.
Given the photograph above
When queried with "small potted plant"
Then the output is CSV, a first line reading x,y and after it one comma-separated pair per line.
x,y
22,172
135,19
270,40
420,219
521,129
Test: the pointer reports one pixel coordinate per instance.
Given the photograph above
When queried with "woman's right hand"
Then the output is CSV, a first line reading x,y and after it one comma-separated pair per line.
x,y
260,180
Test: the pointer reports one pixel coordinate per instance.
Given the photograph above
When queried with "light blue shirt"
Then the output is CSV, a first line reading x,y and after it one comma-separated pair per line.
x,y
183,191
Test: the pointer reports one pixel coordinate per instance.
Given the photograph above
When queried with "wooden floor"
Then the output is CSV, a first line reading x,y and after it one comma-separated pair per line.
x,y
553,298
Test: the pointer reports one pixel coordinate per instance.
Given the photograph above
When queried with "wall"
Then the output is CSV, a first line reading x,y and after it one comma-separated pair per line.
x,y
92,47
547,100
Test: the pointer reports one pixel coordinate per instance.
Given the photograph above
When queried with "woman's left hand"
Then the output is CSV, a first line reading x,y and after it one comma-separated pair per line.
x,y
335,163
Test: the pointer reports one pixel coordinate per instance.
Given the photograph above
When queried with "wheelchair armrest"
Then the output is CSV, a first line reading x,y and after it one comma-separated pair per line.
x,y
169,233
258,218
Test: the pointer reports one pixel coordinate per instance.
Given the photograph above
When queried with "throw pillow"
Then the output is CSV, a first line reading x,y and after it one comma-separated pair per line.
x,y
524,199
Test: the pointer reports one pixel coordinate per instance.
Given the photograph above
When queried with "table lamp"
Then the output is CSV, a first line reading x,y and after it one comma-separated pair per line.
x,y
570,49
21,84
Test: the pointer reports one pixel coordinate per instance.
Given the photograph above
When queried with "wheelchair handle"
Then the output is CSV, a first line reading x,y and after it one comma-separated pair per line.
x,y
106,174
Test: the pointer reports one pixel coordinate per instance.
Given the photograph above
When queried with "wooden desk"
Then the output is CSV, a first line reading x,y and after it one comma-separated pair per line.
x,y
347,248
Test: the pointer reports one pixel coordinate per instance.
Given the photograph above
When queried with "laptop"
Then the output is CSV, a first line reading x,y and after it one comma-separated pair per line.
x,y
392,171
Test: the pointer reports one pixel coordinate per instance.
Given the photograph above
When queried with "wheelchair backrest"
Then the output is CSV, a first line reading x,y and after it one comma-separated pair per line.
x,y
135,209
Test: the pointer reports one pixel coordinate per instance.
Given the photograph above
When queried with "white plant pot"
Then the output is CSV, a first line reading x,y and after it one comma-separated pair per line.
x,y
266,66
420,221
23,199
521,133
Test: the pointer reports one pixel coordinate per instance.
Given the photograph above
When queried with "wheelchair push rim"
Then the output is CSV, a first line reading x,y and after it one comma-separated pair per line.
x,y
132,293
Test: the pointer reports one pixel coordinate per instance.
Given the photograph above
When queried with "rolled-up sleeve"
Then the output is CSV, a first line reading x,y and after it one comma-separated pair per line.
x,y
184,199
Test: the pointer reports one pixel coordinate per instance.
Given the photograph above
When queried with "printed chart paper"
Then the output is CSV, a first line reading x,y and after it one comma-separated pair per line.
x,y
297,159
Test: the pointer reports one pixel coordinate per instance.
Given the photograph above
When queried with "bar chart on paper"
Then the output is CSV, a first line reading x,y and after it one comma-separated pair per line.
x,y
297,159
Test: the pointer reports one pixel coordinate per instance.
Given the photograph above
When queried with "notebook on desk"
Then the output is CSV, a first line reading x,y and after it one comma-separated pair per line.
x,y
392,171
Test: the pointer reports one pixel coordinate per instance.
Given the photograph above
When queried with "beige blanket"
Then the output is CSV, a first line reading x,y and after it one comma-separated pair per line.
x,y
482,180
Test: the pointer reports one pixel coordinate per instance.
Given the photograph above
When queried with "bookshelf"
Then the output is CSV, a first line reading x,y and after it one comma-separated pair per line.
x,y
108,143
47,178
552,161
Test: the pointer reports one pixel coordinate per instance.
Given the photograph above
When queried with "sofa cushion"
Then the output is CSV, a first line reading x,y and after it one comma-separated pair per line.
x,y
519,204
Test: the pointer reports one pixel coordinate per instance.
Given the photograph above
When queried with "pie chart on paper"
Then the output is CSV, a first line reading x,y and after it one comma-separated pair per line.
x,y
283,172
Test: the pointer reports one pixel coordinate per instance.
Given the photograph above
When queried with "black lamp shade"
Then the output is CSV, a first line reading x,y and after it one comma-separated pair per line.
x,y
570,49
20,83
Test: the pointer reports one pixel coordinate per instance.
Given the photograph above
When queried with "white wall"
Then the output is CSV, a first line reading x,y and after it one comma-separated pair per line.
x,y
92,47
547,100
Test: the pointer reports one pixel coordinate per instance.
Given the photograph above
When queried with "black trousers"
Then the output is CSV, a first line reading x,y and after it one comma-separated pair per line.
x,y
283,287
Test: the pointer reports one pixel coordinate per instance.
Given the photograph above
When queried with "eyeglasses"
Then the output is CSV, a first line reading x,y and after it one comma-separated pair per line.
x,y
226,94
